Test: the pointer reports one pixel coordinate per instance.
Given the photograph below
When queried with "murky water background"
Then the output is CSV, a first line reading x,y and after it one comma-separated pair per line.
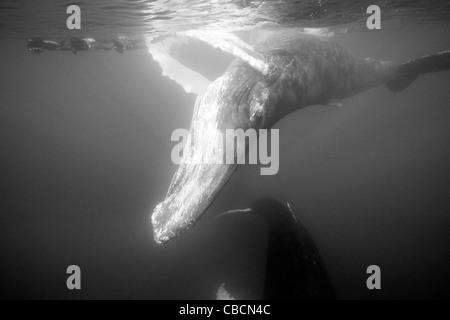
x,y
85,156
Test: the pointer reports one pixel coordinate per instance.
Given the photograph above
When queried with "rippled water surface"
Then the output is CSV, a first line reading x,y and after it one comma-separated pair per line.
x,y
106,19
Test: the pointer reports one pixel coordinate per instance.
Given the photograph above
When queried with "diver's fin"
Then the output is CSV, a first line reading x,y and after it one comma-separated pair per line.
x,y
409,71
230,43
163,52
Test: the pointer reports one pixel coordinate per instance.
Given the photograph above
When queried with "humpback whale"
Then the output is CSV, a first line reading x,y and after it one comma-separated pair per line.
x,y
267,81
294,268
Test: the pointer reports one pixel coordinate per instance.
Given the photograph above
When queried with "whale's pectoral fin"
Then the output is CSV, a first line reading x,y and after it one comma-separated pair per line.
x,y
164,53
230,43
409,71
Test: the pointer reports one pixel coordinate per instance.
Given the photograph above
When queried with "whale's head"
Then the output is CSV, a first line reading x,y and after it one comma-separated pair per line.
x,y
240,99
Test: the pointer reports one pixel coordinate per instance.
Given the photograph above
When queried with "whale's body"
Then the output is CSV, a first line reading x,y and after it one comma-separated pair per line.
x,y
294,269
284,73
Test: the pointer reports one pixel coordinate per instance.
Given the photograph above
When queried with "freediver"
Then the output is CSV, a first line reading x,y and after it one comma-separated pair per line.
x,y
37,45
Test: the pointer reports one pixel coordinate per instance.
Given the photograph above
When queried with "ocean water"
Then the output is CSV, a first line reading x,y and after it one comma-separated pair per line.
x,y
85,156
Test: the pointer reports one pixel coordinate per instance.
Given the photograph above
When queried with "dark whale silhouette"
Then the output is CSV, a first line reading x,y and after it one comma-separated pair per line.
x,y
294,268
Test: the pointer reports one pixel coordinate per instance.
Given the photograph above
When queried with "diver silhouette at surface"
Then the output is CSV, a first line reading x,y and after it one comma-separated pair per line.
x,y
120,44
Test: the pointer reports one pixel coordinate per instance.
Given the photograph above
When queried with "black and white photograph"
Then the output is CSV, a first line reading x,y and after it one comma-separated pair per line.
x,y
205,150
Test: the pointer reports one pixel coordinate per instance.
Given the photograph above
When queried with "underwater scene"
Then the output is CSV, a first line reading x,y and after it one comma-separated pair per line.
x,y
225,149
